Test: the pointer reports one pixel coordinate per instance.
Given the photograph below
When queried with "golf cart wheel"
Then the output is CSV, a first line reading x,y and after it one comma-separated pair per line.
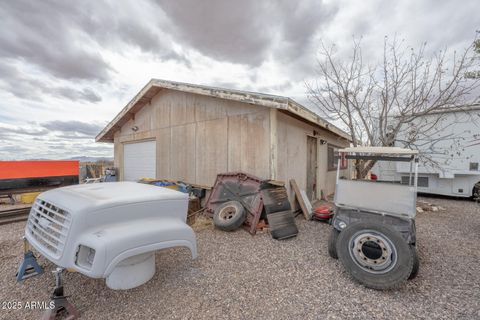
x,y
332,243
229,216
416,263
375,255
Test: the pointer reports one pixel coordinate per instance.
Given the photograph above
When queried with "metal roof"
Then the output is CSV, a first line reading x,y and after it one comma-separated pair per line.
x,y
380,150
154,86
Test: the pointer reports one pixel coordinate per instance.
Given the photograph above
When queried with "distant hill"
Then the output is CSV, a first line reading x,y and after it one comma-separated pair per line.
x,y
91,159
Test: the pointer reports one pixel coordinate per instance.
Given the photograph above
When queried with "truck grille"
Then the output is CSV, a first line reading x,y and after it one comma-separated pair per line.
x,y
49,225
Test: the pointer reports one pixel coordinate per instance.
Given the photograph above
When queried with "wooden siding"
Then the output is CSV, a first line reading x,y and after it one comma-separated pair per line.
x,y
292,153
200,136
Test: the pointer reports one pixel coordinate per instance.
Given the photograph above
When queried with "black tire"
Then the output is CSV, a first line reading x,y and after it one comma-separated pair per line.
x,y
476,192
332,243
229,216
416,263
375,255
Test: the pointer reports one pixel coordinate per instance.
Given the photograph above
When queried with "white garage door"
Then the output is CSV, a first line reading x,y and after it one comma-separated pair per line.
x,y
139,160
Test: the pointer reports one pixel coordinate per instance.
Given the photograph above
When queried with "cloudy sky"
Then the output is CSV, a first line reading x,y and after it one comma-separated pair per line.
x,y
67,67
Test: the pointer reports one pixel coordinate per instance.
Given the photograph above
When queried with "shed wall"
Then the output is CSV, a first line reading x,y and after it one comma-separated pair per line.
x,y
198,136
292,153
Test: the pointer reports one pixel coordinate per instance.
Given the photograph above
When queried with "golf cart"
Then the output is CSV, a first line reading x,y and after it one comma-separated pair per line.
x,y
373,231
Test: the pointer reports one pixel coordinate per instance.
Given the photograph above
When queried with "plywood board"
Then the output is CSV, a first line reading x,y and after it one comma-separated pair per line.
x,y
182,153
308,204
298,196
255,144
234,143
311,176
249,144
161,105
211,150
209,108
163,153
182,109
273,144
236,108
144,119
292,152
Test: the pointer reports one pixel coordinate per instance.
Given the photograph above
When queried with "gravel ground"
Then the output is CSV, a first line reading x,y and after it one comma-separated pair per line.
x,y
237,276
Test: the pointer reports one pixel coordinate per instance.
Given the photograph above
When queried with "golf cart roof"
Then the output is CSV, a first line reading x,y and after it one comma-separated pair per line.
x,y
380,150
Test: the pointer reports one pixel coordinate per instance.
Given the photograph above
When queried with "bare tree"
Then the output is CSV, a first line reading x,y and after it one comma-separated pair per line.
x,y
475,74
382,104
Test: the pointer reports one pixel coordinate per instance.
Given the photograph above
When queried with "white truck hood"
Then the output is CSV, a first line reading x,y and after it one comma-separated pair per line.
x,y
109,230
109,194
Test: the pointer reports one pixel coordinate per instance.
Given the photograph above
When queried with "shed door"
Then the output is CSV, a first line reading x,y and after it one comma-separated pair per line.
x,y
139,160
311,168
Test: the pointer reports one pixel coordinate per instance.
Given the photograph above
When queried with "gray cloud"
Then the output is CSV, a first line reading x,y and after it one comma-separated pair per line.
x,y
43,33
415,21
60,37
86,94
14,134
75,50
76,137
51,139
300,22
13,149
65,45
26,87
23,131
231,32
73,127
246,31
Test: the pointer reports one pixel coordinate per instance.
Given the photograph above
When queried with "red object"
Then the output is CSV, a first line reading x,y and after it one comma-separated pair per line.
x,y
373,176
322,212
38,169
261,224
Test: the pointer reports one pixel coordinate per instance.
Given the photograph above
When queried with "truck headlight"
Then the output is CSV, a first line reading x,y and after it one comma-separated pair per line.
x,y
85,257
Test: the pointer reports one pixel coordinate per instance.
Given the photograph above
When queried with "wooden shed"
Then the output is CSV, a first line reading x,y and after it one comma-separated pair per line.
x,y
188,132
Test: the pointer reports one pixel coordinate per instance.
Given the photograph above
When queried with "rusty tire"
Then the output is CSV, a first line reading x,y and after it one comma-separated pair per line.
x,y
229,216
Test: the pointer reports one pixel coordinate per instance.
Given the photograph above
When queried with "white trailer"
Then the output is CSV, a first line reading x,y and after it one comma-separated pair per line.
x,y
450,153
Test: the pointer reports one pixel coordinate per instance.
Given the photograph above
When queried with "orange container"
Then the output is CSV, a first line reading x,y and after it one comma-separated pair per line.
x,y
38,168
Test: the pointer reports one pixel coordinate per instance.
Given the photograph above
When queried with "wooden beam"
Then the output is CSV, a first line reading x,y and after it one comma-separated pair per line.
x,y
273,144
298,196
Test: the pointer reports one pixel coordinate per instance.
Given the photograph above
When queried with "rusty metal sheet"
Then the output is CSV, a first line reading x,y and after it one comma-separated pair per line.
x,y
252,192
242,187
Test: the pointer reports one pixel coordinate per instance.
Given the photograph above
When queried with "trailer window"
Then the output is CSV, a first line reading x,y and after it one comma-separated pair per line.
x,y
473,166
333,158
